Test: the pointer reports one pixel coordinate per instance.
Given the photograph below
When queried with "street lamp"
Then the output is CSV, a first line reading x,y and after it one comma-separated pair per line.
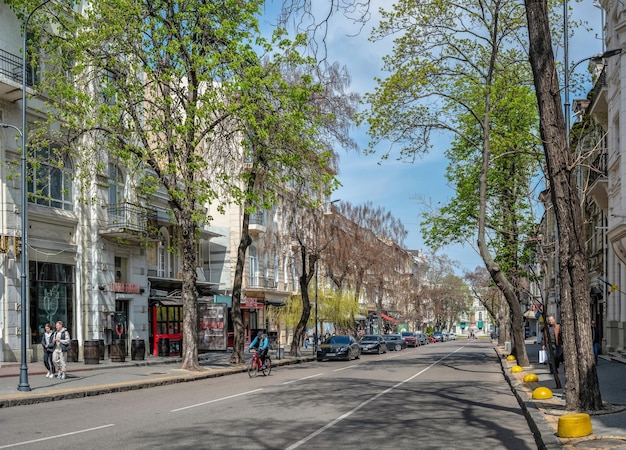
x,y
23,384
317,336
596,58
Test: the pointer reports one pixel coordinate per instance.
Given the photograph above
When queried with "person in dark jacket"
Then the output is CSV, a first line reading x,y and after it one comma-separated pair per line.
x,y
595,338
47,342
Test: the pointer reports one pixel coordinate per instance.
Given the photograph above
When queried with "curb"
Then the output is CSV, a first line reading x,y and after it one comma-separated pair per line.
x,y
543,432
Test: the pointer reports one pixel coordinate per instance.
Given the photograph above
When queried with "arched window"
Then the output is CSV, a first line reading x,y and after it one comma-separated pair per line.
x,y
50,179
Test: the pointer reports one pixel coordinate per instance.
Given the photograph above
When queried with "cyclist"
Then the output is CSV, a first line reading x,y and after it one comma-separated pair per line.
x,y
261,344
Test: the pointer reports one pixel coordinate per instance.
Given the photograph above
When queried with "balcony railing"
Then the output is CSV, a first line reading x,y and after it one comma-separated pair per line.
x,y
129,217
261,282
598,168
11,68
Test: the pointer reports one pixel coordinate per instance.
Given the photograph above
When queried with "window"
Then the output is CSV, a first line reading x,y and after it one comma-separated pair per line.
x,y
254,265
116,184
51,297
50,179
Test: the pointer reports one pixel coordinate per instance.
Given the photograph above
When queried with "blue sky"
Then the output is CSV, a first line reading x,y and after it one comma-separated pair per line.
x,y
395,185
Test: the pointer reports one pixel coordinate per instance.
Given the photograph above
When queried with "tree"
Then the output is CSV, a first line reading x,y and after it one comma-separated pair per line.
x,y
290,141
174,88
456,68
582,391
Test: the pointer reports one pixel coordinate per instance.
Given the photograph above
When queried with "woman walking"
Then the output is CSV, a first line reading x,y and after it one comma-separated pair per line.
x,y
47,341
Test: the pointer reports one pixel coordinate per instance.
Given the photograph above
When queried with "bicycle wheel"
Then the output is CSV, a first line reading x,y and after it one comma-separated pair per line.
x,y
253,369
268,366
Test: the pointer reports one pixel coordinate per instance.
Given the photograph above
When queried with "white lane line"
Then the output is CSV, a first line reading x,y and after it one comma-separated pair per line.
x,y
355,409
215,400
87,430
347,367
305,378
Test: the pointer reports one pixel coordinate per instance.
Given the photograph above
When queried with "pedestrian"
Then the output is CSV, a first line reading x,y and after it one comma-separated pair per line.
x,y
47,342
306,341
554,332
595,338
61,344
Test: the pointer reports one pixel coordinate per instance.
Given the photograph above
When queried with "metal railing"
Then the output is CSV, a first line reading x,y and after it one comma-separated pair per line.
x,y
129,216
11,68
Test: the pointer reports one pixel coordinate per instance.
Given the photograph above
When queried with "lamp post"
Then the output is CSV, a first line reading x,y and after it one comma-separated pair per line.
x,y
317,336
597,57
23,384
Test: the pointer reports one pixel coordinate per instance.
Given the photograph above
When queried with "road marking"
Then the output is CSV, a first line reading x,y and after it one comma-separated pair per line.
x,y
305,378
366,402
215,400
87,430
344,368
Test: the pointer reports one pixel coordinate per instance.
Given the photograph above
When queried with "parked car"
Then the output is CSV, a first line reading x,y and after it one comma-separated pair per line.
x,y
409,338
432,339
422,338
438,335
339,347
394,342
373,343
452,336
446,336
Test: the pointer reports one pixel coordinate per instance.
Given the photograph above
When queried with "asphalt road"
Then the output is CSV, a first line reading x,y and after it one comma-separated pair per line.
x,y
448,395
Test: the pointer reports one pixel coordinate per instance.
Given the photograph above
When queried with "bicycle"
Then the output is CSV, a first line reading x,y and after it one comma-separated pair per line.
x,y
255,365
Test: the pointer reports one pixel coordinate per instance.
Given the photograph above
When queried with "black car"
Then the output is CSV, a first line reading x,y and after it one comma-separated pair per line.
x,y
373,343
339,347
394,342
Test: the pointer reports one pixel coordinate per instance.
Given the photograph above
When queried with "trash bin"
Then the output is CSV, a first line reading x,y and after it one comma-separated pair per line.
x,y
137,349
164,347
507,346
91,352
118,350
101,343
72,351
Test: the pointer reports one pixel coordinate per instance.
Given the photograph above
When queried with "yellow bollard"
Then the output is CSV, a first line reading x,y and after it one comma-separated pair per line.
x,y
516,369
531,378
542,393
574,425
510,358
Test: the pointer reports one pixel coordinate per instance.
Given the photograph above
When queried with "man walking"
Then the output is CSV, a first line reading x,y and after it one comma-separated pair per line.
x,y
595,338
61,343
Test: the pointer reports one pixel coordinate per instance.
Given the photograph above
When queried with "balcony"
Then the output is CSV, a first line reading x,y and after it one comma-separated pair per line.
x,y
256,286
258,224
598,181
127,221
11,76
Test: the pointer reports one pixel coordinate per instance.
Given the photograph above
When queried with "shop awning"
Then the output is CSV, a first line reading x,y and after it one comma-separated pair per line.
x,y
389,318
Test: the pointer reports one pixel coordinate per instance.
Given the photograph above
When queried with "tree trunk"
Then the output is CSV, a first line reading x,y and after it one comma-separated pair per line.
x,y
308,272
189,293
235,313
582,391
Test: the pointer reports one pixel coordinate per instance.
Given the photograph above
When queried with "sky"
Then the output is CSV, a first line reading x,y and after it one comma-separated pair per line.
x,y
402,188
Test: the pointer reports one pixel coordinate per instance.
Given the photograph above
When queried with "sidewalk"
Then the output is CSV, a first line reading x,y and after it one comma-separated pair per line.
x,y
608,426
85,380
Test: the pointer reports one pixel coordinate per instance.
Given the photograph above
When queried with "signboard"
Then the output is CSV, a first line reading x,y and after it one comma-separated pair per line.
x,y
480,325
212,326
463,325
